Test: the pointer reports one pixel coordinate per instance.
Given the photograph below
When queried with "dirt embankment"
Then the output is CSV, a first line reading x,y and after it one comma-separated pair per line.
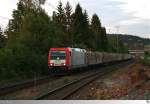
x,y
131,82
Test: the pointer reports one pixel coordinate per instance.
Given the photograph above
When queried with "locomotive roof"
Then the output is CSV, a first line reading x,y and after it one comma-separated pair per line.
x,y
71,49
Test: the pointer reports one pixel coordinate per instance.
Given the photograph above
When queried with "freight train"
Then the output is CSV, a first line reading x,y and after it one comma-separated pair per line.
x,y
66,59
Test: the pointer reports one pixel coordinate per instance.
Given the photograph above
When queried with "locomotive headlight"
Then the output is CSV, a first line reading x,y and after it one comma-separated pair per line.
x,y
64,64
51,64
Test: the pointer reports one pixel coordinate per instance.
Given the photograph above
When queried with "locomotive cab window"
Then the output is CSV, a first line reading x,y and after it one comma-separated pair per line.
x,y
55,55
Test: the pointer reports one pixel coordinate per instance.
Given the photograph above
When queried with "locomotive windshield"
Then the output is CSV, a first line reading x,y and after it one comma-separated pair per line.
x,y
55,55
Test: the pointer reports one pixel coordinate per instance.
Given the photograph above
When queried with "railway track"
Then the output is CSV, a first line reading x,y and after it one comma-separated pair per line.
x,y
67,90
16,86
12,87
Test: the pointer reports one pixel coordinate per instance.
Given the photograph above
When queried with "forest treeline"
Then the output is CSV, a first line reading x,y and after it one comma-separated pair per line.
x,y
31,32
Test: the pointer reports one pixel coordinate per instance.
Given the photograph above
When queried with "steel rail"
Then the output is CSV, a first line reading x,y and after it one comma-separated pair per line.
x,y
64,91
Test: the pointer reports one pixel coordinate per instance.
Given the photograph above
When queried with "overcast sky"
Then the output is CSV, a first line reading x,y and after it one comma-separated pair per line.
x,y
130,16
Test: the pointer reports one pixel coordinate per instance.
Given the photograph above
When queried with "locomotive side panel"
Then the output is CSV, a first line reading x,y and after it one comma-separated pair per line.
x,y
77,58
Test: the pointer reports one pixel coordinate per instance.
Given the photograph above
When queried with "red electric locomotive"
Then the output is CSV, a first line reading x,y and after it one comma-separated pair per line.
x,y
64,59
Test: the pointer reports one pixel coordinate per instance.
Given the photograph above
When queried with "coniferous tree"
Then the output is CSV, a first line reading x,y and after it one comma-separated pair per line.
x,y
2,38
104,40
42,2
96,29
69,19
61,17
54,17
77,30
85,24
87,37
68,13
60,21
1,31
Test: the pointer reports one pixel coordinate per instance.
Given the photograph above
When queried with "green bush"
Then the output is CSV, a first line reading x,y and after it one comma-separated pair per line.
x,y
21,63
146,58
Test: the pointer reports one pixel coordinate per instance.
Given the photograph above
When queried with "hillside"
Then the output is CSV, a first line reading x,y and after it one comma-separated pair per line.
x,y
130,39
